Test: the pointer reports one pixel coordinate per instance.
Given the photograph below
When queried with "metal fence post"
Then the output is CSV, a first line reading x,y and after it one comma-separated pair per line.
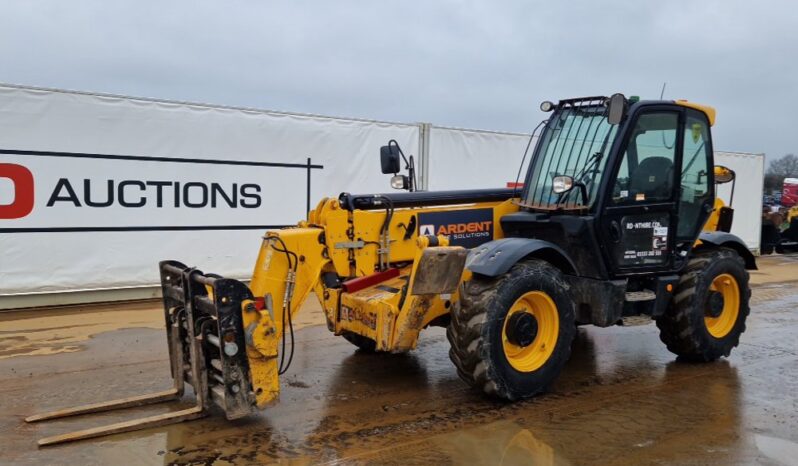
x,y
307,209
424,131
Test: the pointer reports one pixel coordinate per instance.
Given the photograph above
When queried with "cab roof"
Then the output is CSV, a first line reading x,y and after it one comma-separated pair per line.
x,y
709,111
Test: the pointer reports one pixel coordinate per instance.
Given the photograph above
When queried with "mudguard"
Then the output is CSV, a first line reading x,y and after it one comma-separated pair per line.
x,y
728,240
497,257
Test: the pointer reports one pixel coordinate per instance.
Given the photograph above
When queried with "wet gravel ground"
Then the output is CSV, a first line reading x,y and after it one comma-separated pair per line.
x,y
622,399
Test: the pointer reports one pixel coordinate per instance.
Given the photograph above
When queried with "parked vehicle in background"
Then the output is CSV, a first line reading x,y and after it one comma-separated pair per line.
x,y
779,229
768,200
789,194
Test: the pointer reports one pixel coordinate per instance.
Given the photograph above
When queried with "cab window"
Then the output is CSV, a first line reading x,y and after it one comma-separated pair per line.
x,y
646,170
695,190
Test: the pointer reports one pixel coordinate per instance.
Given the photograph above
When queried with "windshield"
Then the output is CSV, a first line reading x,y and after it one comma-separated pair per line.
x,y
575,142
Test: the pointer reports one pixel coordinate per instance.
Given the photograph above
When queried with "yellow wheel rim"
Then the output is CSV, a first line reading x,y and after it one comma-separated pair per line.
x,y
531,357
727,286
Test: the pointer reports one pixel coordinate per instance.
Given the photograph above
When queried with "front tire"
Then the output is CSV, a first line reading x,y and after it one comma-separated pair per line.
x,y
511,336
709,307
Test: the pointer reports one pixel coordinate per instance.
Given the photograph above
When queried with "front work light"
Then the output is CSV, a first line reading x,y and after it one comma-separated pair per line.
x,y
399,182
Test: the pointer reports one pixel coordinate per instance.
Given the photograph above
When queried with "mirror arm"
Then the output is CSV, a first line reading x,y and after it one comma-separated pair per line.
x,y
583,191
411,172
410,165
393,141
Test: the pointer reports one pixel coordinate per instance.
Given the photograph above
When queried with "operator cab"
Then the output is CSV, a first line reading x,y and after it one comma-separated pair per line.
x,y
626,180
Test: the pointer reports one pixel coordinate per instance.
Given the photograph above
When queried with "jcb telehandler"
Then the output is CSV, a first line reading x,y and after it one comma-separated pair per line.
x,y
608,224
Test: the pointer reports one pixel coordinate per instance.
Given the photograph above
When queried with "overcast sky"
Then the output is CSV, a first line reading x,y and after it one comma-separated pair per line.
x,y
469,64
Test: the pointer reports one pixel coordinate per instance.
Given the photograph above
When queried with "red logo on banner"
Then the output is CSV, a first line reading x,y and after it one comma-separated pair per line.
x,y
23,191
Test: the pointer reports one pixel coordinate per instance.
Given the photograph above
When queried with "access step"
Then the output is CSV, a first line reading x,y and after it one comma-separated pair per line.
x,y
638,296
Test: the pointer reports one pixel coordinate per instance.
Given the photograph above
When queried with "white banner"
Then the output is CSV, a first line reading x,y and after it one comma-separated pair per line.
x,y
95,190
470,159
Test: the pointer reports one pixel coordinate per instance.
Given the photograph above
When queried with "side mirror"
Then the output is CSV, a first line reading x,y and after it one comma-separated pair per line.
x,y
616,109
562,184
390,159
723,174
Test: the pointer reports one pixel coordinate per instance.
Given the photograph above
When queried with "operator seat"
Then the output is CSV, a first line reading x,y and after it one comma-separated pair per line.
x,y
653,177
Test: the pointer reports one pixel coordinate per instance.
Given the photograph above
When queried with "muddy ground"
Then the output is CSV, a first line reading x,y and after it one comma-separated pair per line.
x,y
622,399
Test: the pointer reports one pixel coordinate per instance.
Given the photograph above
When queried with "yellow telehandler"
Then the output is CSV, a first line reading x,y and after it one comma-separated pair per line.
x,y
607,224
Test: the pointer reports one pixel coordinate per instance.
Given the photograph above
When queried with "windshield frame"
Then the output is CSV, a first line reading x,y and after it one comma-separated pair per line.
x,y
582,139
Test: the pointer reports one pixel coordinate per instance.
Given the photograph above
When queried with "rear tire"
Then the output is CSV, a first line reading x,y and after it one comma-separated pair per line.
x,y
687,328
484,350
364,344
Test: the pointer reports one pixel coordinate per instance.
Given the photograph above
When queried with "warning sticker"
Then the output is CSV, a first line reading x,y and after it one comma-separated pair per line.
x,y
468,228
697,132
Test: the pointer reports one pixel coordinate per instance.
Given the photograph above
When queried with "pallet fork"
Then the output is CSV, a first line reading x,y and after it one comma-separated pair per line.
x,y
198,309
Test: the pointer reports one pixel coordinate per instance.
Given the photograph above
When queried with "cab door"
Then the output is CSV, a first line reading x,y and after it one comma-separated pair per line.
x,y
639,213
661,193
697,183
